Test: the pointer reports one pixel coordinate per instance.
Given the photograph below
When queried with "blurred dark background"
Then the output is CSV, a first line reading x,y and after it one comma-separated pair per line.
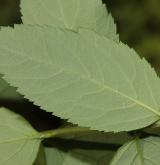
x,y
138,24
9,12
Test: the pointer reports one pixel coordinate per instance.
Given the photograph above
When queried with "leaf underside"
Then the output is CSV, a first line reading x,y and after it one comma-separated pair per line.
x,y
16,144
69,61
139,152
81,76
70,14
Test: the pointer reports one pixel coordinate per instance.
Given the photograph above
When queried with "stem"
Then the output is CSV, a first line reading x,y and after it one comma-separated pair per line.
x,y
62,131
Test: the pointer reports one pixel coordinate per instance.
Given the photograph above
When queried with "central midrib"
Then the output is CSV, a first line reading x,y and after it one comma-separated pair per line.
x,y
124,95
105,86
139,150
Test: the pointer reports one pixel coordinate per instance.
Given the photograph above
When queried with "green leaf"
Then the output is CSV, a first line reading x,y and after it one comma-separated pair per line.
x,y
18,144
41,158
89,155
83,77
70,14
139,152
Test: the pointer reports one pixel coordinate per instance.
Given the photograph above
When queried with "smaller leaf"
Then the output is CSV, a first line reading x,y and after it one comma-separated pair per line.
x,y
90,148
70,14
18,142
139,152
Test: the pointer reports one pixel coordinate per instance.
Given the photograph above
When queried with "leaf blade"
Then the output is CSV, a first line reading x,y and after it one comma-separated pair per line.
x,y
71,14
16,143
138,152
87,82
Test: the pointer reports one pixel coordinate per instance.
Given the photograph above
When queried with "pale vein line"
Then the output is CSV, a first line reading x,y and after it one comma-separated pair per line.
x,y
76,14
127,97
59,88
149,87
124,74
10,126
120,154
16,152
80,60
19,154
133,159
20,139
139,151
21,54
151,161
46,48
108,110
98,65
39,78
33,150
62,13
151,142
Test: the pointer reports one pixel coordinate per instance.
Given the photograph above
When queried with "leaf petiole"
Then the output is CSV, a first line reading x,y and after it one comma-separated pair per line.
x,y
62,131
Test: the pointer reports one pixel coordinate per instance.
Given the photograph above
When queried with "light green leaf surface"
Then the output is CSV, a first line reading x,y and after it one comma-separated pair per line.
x,y
83,77
17,143
70,14
139,152
92,156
